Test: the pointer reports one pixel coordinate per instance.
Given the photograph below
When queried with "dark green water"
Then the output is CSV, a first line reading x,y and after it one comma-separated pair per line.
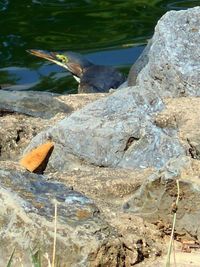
x,y
111,32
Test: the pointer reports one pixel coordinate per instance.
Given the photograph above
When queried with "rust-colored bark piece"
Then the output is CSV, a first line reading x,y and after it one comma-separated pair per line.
x,y
36,159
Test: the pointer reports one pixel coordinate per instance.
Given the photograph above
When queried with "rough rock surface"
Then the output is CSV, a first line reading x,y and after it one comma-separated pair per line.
x,y
114,131
183,115
105,214
140,63
17,129
118,130
39,105
174,56
180,114
27,200
155,198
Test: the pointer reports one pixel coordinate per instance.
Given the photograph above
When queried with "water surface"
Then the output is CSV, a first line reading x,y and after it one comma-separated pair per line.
x,y
110,32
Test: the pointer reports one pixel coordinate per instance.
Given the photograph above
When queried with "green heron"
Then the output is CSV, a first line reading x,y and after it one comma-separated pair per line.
x,y
92,78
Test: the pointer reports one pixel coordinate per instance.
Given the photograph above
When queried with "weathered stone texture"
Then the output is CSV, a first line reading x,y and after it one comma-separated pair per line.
x,y
174,57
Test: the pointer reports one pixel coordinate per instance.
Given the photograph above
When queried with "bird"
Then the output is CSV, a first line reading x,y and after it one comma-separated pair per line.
x,y
92,78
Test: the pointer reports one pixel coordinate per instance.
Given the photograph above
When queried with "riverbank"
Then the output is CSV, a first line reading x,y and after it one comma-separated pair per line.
x,y
115,164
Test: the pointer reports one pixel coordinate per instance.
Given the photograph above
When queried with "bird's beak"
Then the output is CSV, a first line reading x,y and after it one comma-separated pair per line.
x,y
51,56
54,57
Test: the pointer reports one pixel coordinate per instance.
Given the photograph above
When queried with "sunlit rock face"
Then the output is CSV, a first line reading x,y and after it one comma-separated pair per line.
x,y
44,105
174,56
119,129
145,140
154,199
116,131
27,213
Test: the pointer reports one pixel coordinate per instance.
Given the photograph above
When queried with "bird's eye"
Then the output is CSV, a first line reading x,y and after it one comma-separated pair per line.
x,y
62,58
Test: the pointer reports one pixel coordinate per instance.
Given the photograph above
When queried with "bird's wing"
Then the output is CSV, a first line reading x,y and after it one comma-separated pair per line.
x,y
101,78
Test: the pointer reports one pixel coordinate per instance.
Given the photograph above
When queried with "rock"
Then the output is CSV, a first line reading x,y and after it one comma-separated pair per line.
x,y
140,63
108,187
78,101
118,130
27,200
174,56
83,237
18,129
42,105
114,131
183,114
154,199
115,163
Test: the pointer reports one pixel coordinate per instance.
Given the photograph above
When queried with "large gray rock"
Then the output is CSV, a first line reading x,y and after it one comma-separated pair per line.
x,y
44,105
155,198
131,128
113,131
17,129
119,130
27,213
174,56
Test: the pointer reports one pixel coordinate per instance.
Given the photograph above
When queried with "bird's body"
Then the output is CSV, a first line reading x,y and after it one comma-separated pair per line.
x,y
92,78
100,79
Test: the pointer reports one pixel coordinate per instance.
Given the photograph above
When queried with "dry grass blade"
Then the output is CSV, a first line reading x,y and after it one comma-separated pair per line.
x,y
55,233
173,226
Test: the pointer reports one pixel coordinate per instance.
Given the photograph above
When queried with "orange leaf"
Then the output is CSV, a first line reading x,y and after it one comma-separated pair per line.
x,y
37,157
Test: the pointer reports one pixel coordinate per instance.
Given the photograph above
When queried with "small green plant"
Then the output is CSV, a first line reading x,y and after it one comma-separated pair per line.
x,y
36,258
9,264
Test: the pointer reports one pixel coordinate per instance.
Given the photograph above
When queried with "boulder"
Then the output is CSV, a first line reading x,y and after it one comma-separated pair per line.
x,y
155,199
115,164
89,232
17,128
115,131
118,130
173,58
44,105
27,204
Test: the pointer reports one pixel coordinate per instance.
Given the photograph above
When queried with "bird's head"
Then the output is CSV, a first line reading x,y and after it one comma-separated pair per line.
x,y
73,62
